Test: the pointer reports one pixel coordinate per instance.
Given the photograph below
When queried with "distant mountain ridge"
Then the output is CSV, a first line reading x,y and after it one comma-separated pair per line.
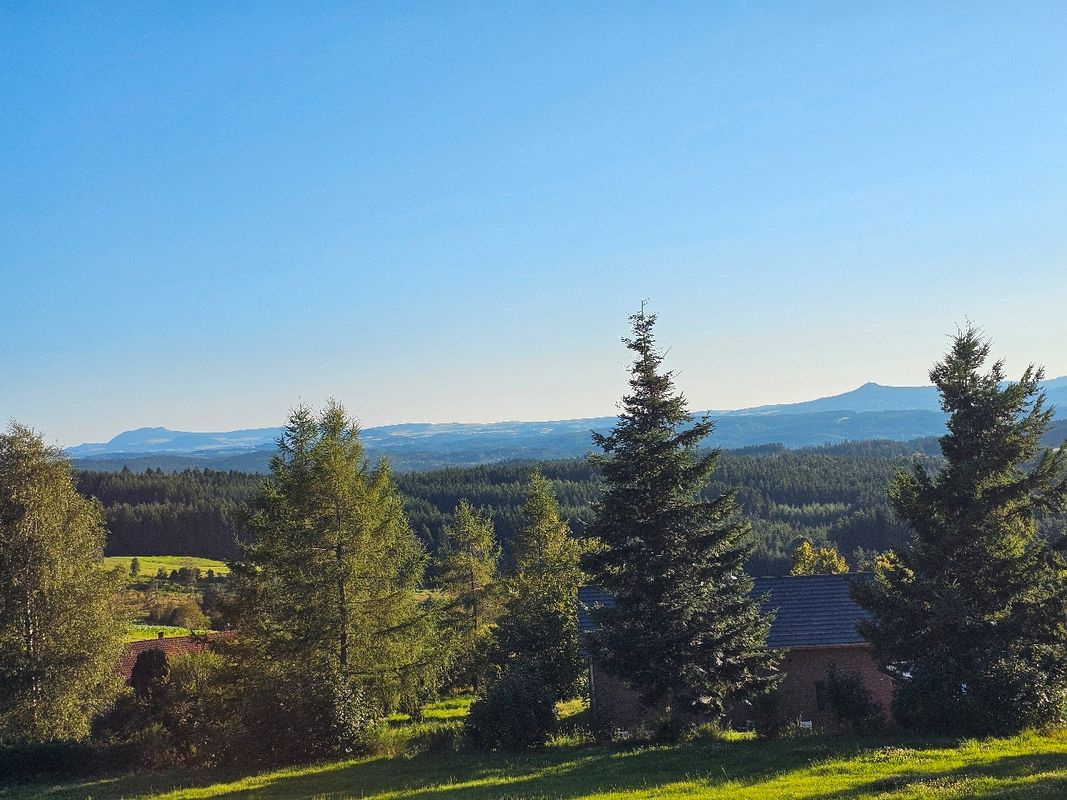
x,y
871,411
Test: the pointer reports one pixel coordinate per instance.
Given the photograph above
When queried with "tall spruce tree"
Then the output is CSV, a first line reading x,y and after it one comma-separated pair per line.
x,y
59,634
970,617
470,590
538,628
327,590
684,629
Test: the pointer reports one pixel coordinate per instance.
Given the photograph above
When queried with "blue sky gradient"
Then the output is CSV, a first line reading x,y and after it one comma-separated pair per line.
x,y
445,211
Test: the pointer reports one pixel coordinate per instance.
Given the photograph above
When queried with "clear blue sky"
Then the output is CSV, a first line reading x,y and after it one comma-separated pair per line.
x,y
445,211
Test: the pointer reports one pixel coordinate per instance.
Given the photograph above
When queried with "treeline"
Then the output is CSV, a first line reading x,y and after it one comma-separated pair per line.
x,y
190,513
831,494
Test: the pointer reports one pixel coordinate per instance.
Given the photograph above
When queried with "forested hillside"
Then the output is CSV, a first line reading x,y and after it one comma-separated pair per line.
x,y
833,493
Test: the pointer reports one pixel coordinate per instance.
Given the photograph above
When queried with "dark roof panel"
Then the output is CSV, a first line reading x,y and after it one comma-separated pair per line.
x,y
810,610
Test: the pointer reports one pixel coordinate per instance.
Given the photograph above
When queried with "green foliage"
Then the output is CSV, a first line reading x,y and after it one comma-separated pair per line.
x,y
847,698
518,711
149,672
180,612
469,590
190,513
325,595
826,494
684,629
180,711
970,617
539,626
810,560
59,634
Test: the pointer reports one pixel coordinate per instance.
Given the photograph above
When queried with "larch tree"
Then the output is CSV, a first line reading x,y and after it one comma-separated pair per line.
x,y
684,629
538,628
470,590
970,616
60,636
327,589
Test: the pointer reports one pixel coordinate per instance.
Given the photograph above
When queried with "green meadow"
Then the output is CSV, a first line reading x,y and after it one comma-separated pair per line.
x,y
419,762
139,631
150,565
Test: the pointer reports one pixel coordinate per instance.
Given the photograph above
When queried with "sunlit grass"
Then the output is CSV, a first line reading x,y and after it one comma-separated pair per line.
x,y
1029,767
141,631
150,565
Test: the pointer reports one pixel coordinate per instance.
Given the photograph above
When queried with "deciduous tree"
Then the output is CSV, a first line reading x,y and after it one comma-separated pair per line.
x,y
59,634
538,628
811,560
470,589
327,591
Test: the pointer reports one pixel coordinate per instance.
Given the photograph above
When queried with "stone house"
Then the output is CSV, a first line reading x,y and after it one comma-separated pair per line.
x,y
814,624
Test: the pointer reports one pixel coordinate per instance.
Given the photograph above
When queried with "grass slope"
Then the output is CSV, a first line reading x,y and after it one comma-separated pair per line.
x,y
1029,767
142,631
150,565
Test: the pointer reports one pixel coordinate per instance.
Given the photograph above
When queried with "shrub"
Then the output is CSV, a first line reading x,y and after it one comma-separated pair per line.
x,y
21,761
517,712
767,714
847,698
181,613
150,670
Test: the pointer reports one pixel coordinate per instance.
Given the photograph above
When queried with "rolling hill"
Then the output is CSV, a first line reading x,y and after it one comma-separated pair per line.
x,y
871,411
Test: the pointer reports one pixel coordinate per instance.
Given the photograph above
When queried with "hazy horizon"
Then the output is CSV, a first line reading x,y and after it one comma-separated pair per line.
x,y
446,212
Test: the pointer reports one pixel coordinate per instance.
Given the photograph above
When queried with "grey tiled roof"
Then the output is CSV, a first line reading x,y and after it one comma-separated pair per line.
x,y
810,610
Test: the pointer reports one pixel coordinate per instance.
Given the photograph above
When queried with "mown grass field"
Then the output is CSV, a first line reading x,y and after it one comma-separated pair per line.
x,y
1028,767
150,565
140,631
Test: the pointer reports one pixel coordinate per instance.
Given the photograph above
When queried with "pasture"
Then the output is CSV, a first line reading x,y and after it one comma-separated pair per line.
x,y
140,631
418,762
150,565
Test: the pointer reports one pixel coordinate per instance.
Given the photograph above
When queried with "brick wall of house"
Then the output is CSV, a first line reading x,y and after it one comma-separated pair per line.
x,y
805,666
614,701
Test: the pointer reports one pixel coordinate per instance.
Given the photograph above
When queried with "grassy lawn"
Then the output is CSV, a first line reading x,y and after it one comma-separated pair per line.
x,y
139,631
1029,767
150,565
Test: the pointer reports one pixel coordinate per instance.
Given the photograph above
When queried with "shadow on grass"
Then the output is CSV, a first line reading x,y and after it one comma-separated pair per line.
x,y
1030,775
813,767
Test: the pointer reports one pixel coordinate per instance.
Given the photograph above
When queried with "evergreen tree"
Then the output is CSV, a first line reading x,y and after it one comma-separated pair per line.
x,y
59,635
684,629
539,626
326,592
470,589
811,560
970,617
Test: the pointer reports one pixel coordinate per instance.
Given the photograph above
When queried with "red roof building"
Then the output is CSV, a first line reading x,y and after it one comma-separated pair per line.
x,y
172,646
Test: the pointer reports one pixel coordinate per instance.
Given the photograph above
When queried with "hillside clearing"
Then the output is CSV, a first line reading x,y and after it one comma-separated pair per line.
x,y
1031,766
150,565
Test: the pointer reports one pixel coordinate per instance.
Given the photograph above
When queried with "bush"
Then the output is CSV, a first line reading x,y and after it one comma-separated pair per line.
x,y
181,613
847,698
18,762
771,722
178,713
518,711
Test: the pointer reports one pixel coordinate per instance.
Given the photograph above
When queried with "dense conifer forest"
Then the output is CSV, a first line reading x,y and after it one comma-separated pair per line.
x,y
834,494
